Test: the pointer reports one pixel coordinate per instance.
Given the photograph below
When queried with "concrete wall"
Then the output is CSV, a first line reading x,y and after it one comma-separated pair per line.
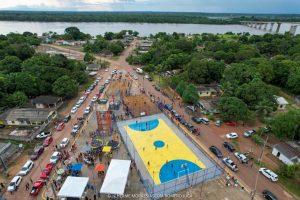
x,y
282,157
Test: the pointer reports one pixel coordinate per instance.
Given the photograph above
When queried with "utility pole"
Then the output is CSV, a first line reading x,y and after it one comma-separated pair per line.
x,y
259,164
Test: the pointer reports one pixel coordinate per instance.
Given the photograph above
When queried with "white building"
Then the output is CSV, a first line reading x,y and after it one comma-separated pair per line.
x,y
281,102
287,152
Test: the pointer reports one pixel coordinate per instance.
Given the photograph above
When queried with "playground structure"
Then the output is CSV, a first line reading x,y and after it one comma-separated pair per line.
x,y
166,159
103,118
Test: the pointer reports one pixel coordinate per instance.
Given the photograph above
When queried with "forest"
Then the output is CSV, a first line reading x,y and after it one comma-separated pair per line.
x,y
142,17
250,70
25,74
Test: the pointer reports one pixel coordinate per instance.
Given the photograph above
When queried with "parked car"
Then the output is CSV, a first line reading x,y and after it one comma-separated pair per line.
x,y
189,126
48,141
249,133
43,135
94,99
232,135
182,121
216,151
55,157
229,163
26,168
37,186
37,152
106,70
64,142
218,123
269,174
150,79
14,183
74,110
76,128
67,118
241,157
191,108
229,146
269,195
47,171
231,123
106,82
197,120
60,126
87,110
157,88
204,121
169,107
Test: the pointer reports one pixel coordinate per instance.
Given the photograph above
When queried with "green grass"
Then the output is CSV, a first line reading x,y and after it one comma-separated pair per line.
x,y
27,145
235,142
292,185
159,80
88,83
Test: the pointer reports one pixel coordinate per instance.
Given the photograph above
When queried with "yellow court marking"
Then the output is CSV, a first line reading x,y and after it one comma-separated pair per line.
x,y
174,148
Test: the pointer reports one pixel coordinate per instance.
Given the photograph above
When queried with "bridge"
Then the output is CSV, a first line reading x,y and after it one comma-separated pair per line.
x,y
269,26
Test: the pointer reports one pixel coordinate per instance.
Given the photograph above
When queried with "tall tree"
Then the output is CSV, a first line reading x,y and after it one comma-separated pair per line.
x,y
65,87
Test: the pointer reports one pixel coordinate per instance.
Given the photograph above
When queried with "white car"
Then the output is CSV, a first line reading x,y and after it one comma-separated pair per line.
x,y
99,78
229,163
241,157
232,135
14,183
87,110
88,91
269,174
82,99
94,98
43,135
74,110
26,168
55,157
106,70
135,77
106,82
64,142
75,128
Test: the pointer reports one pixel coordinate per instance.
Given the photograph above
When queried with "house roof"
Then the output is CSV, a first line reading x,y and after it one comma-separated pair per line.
x,y
45,100
93,66
33,114
281,101
287,150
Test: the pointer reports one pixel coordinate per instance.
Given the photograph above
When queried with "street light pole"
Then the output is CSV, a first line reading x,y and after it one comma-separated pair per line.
x,y
259,164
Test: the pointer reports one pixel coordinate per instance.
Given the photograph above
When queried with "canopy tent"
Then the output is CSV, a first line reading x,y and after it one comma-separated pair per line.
x,y
76,167
106,149
99,167
73,187
116,177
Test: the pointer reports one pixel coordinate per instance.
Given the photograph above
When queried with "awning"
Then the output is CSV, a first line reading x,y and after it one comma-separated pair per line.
x,y
76,167
116,177
73,187
99,167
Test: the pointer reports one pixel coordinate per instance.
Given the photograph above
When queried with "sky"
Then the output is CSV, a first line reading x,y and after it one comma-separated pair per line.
x,y
215,6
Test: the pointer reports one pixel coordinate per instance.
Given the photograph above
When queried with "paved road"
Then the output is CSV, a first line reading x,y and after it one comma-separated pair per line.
x,y
57,136
209,136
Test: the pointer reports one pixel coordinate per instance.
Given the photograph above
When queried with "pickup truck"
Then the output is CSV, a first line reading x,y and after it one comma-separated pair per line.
x,y
241,157
229,163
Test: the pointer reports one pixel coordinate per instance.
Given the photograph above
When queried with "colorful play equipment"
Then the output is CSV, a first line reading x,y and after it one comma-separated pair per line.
x,y
114,144
96,143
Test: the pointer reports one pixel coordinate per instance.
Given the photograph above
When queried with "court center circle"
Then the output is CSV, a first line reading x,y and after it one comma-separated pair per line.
x,y
159,144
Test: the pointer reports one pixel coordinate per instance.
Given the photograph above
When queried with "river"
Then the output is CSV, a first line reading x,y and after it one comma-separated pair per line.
x,y
145,29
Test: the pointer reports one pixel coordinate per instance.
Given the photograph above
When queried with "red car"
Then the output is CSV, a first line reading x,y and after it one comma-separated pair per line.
x,y
47,141
47,171
60,126
37,152
37,186
231,123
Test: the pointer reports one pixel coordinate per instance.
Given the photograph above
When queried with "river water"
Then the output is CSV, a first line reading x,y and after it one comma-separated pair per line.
x,y
145,29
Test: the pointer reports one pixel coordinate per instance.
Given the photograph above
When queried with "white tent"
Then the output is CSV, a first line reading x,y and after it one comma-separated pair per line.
x,y
73,187
116,177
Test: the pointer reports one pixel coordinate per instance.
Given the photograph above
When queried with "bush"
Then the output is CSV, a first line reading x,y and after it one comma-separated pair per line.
x,y
288,171
257,139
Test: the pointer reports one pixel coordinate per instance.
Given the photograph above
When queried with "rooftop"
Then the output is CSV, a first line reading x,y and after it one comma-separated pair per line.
x,y
28,114
281,100
289,149
45,100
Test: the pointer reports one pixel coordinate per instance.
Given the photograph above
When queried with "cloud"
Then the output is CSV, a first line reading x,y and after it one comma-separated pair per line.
x,y
236,6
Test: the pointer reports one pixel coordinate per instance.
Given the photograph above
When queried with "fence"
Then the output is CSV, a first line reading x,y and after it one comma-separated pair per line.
x,y
184,181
